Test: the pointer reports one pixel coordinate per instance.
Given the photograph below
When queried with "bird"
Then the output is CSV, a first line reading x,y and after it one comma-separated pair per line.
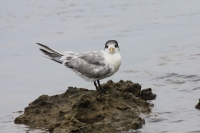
x,y
91,65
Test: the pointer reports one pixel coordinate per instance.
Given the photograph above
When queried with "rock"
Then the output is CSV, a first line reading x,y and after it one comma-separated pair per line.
x,y
80,110
146,94
198,105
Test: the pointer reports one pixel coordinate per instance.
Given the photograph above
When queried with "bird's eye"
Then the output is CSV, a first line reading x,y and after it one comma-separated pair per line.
x,y
106,46
115,46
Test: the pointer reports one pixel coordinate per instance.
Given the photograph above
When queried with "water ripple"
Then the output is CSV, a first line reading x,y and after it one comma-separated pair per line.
x,y
175,78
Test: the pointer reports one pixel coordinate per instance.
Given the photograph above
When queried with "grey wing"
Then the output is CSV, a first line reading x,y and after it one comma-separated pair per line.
x,y
90,64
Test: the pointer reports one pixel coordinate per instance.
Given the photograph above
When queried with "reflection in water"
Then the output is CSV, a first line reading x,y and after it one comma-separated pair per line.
x,y
159,44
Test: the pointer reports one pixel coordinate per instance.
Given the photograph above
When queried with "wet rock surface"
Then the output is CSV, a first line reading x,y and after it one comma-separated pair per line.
x,y
146,94
80,110
198,105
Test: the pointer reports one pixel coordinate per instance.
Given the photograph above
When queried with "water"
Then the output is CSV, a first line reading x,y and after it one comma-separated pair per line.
x,y
159,42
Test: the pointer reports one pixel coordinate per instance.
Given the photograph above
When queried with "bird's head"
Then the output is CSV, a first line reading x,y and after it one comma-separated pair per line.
x,y
111,47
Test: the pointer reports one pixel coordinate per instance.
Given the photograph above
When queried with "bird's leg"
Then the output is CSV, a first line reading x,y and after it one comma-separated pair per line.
x,y
95,84
100,87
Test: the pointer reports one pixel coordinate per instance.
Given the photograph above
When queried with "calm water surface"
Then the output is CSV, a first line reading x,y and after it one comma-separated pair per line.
x,y
159,42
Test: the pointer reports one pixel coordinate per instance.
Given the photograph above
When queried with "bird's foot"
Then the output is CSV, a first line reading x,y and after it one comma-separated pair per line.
x,y
103,91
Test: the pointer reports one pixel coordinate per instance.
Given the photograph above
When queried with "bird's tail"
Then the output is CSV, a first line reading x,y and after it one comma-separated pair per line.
x,y
51,54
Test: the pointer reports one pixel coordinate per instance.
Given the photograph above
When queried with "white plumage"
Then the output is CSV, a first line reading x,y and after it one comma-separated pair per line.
x,y
93,65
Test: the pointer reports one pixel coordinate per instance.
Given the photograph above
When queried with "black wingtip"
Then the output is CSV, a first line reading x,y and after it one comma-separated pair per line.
x,y
44,51
40,44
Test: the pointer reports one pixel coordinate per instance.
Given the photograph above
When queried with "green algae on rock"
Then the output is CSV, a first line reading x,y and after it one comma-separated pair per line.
x,y
80,110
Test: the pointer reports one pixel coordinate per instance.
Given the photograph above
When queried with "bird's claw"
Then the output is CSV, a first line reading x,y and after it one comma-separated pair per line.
x,y
102,91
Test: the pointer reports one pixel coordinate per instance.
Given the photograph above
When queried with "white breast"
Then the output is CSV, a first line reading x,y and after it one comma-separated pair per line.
x,y
114,61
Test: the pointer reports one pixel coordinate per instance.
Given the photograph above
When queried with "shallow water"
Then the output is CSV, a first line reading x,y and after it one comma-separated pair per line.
x,y
159,42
